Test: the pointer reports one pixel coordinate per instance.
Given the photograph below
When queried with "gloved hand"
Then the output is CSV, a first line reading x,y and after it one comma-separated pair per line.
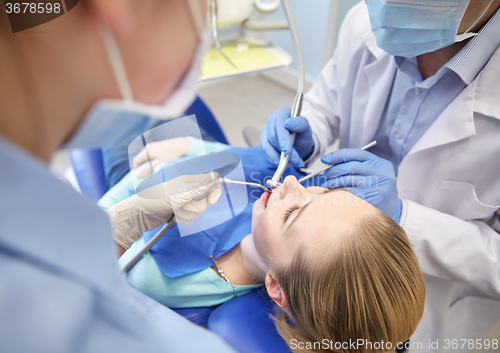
x,y
275,137
365,175
156,205
160,152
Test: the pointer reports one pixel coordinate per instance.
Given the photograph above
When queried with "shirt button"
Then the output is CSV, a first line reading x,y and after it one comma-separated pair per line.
x,y
397,136
416,91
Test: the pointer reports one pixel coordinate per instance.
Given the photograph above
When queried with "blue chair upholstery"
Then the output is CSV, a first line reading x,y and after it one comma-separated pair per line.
x,y
89,171
245,323
198,316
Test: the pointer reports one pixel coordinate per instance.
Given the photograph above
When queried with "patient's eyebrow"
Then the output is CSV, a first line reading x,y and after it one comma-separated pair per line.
x,y
298,215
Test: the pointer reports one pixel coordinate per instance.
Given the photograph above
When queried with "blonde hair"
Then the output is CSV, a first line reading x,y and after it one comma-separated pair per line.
x,y
370,288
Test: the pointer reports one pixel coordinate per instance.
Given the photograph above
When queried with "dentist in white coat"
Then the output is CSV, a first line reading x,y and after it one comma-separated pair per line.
x,y
423,79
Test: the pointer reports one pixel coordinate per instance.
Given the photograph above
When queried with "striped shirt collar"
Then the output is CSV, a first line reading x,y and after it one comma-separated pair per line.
x,y
474,56
469,61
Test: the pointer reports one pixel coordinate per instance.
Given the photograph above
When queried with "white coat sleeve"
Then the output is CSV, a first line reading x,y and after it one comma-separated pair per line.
x,y
321,109
453,249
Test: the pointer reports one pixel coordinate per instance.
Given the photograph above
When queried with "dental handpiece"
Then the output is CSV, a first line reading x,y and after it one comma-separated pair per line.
x,y
326,167
285,159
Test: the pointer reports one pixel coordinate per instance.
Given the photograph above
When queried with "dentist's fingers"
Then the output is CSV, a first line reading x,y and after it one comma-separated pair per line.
x,y
283,135
348,168
149,168
142,157
196,206
346,155
269,150
348,181
296,161
214,195
184,217
297,124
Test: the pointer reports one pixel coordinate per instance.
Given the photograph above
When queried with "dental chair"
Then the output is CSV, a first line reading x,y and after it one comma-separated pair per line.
x,y
244,322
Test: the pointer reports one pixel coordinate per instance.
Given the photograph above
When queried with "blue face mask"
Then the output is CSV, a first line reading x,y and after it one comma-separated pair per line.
x,y
409,28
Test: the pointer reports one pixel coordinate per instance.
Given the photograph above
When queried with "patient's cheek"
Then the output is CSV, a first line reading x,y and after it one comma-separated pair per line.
x,y
264,227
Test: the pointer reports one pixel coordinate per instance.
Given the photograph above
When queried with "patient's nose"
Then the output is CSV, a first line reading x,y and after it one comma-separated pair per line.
x,y
292,186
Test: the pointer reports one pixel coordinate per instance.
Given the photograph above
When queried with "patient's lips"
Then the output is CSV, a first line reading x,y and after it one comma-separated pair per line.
x,y
264,198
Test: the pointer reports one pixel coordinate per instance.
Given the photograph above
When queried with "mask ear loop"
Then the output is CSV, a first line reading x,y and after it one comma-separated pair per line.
x,y
194,6
479,18
116,62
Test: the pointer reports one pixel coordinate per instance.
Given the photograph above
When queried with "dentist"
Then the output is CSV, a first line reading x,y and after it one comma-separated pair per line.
x,y
422,78
69,83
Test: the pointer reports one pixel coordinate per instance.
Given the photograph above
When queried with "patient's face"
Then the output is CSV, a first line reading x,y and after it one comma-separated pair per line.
x,y
312,218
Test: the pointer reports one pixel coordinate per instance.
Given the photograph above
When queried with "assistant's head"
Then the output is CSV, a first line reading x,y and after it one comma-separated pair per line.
x,y
339,268
53,73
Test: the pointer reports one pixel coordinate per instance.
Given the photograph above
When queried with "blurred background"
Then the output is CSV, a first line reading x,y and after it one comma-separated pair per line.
x,y
248,100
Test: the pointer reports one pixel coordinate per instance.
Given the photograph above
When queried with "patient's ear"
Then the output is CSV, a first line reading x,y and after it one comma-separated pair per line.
x,y
275,292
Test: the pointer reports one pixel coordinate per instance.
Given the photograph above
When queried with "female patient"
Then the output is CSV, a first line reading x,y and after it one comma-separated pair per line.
x,y
339,268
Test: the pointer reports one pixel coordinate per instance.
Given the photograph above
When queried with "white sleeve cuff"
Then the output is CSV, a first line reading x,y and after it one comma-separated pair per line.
x,y
411,220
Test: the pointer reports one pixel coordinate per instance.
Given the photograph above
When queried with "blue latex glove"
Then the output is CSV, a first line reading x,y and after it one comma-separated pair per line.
x,y
365,175
275,137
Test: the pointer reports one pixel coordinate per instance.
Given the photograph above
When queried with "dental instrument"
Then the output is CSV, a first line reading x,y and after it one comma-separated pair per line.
x,y
297,104
255,185
326,167
169,225
215,31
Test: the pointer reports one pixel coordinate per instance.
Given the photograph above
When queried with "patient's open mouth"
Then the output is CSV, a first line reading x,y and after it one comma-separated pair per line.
x,y
264,198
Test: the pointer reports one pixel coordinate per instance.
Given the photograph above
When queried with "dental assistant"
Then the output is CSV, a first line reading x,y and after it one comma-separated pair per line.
x,y
61,289
422,78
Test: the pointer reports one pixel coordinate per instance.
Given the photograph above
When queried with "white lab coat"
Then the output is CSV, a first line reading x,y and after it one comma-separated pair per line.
x,y
449,182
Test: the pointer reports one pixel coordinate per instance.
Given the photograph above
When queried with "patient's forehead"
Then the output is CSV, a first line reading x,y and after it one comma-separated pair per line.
x,y
337,197
333,214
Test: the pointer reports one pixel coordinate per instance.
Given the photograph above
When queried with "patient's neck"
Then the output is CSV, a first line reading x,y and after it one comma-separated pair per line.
x,y
252,260
242,264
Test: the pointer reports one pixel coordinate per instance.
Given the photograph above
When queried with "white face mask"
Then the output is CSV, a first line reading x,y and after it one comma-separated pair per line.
x,y
111,121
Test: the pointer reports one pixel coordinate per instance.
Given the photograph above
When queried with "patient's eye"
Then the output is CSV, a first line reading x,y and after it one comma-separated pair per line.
x,y
326,191
289,212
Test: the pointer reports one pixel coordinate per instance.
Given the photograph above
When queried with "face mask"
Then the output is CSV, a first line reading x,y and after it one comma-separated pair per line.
x,y
410,28
111,122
